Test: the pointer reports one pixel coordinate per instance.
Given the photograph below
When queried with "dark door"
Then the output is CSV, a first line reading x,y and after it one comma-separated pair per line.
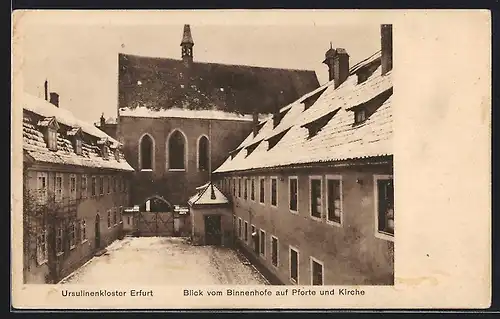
x,y
213,233
97,232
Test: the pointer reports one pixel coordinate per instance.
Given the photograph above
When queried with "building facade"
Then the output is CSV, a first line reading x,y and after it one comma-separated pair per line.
x,y
76,184
178,119
312,189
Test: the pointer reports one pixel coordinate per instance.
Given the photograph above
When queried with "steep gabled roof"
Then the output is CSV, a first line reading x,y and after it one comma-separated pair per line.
x,y
338,137
36,111
162,83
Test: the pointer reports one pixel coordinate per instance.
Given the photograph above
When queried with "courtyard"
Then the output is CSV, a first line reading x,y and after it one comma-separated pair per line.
x,y
166,261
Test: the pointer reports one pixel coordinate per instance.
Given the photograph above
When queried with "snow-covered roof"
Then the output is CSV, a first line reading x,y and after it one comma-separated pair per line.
x,y
45,109
35,146
208,194
183,113
337,139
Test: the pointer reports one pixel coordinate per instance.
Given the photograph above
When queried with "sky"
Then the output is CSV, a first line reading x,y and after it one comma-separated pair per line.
x,y
80,59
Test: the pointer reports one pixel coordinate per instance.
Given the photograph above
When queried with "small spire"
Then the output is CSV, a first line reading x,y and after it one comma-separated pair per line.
x,y
186,37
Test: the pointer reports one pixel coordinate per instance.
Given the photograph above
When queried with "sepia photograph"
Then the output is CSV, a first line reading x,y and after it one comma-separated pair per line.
x,y
190,153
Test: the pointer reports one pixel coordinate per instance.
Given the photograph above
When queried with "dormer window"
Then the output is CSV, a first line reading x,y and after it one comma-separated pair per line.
x,y
103,145
359,115
51,128
252,147
278,117
273,140
315,126
77,135
52,139
310,100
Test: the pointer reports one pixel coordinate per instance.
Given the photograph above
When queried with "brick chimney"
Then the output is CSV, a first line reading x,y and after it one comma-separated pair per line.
x,y
103,121
54,98
46,90
386,46
338,65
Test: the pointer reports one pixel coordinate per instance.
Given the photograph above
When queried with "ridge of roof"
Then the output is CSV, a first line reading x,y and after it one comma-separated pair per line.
x,y
216,63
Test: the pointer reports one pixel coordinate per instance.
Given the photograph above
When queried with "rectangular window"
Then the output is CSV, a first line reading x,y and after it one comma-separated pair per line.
x,y
274,251
293,193
316,272
114,184
315,196
115,219
239,227
128,220
109,218
245,188
334,199
42,188
72,186
384,191
52,139
246,231
262,190
72,235
262,243
239,187
101,185
108,181
59,239
121,214
274,191
252,189
84,186
294,265
58,187
234,187
78,146
94,186
41,246
359,115
83,230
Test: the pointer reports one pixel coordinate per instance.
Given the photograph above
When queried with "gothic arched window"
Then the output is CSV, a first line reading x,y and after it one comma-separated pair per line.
x,y
203,154
146,147
176,151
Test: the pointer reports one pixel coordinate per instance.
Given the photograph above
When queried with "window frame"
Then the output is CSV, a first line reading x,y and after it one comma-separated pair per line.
x,y
245,188
331,177
78,146
120,214
262,243
59,236
185,155
277,251
153,149
290,178
42,252
239,187
246,232
72,235
252,189
271,179
376,178
93,186
42,193
52,139
101,185
108,184
109,218
293,281
115,217
262,191
320,179
58,191
240,227
83,231
208,164
357,113
72,191
319,262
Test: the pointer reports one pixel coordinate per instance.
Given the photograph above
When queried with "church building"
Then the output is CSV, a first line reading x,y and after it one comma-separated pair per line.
x,y
179,118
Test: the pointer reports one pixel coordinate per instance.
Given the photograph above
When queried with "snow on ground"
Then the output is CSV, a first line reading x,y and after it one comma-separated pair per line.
x,y
166,261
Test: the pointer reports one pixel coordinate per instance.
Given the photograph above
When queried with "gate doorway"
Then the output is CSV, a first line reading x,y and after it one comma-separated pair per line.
x,y
97,231
213,230
155,217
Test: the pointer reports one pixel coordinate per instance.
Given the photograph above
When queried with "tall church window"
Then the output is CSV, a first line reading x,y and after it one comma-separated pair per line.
x,y
203,154
176,151
146,152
